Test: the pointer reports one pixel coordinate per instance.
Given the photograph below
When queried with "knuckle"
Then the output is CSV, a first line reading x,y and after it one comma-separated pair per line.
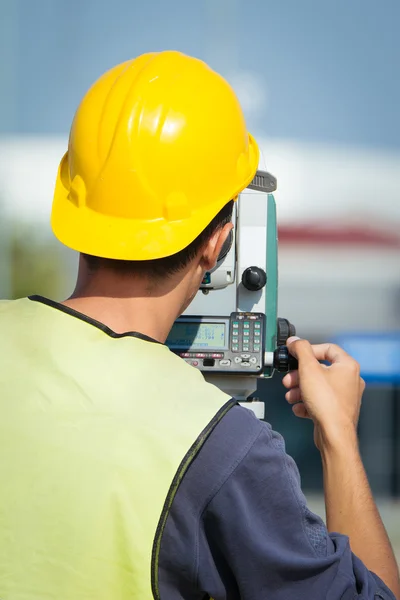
x,y
354,366
335,348
339,351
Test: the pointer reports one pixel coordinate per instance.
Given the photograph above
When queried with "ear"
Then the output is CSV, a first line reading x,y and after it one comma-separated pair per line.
x,y
214,246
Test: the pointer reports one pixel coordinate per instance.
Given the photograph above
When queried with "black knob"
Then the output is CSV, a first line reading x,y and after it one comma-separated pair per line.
x,y
284,330
254,279
284,361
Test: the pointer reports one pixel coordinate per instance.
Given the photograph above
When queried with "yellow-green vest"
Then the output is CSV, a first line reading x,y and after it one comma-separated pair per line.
x,y
96,433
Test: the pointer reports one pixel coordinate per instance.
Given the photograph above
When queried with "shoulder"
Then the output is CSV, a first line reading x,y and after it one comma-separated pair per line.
x,y
228,445
226,448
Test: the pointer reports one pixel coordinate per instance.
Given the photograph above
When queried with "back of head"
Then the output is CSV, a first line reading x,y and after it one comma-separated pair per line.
x,y
158,148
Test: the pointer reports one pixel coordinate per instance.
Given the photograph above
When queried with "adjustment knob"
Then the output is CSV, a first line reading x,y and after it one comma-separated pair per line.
x,y
284,361
254,279
284,330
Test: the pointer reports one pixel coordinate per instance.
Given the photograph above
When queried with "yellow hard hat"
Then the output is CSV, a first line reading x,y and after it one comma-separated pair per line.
x,y
158,146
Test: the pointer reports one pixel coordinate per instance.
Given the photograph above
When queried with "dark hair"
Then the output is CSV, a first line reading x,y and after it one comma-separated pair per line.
x,y
162,267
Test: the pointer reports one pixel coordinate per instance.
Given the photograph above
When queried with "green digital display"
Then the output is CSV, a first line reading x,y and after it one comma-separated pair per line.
x,y
197,336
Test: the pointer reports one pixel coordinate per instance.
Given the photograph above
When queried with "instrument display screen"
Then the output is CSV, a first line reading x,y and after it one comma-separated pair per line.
x,y
198,335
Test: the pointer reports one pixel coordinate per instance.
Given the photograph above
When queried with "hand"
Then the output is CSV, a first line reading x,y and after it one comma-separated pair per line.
x,y
329,395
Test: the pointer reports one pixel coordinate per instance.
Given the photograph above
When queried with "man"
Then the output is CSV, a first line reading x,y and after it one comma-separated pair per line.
x,y
123,474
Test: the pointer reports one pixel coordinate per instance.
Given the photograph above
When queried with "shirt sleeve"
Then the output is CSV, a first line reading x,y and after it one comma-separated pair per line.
x,y
257,538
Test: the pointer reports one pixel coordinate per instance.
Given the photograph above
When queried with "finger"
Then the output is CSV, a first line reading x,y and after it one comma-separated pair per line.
x,y
293,396
300,411
331,353
291,380
303,351
322,352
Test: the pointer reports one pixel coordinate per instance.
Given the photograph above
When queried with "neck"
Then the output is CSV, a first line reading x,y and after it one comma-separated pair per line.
x,y
129,305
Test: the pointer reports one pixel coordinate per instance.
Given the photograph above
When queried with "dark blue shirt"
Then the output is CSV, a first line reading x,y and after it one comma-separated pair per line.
x,y
239,527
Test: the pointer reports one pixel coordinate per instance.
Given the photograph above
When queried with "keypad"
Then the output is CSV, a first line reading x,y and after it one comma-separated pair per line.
x,y
246,334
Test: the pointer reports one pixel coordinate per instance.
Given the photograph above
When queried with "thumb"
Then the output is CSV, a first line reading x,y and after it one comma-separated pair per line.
x,y
302,350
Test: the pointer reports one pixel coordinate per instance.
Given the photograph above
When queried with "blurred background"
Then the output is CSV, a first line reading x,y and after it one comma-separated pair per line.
x,y
320,87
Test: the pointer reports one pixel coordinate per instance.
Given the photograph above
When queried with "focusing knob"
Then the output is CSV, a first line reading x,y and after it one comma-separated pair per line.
x,y
285,330
284,361
254,279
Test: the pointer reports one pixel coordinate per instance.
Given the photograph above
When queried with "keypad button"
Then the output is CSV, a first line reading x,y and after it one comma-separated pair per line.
x,y
246,333
246,325
235,325
253,360
257,325
235,348
245,356
245,348
256,348
246,364
257,334
225,363
238,359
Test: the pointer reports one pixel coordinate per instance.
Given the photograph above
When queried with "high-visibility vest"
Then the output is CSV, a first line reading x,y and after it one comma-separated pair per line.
x,y
97,431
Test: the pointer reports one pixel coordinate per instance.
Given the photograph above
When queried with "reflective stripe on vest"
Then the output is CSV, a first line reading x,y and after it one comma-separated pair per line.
x,y
96,433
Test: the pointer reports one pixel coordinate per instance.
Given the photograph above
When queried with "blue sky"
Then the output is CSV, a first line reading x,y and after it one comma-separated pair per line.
x,y
322,70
